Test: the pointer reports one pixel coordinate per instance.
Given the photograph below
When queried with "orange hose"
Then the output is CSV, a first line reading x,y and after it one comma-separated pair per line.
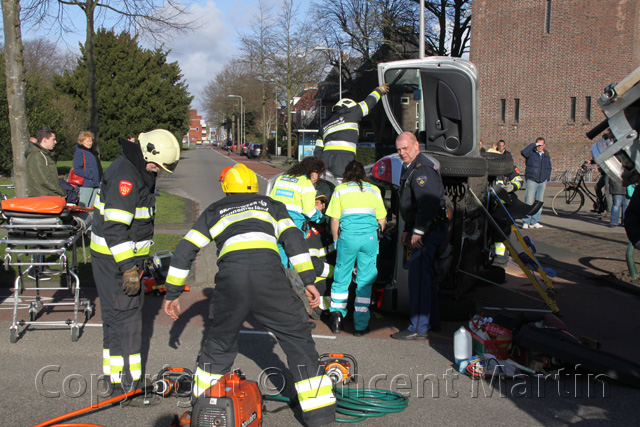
x,y
77,425
87,409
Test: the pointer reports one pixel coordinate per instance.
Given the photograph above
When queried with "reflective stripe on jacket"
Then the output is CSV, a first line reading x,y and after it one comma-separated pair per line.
x,y
246,229
340,131
357,208
298,194
124,213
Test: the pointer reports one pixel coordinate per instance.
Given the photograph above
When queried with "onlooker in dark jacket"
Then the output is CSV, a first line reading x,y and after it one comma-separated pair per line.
x,y
620,202
537,174
42,173
86,163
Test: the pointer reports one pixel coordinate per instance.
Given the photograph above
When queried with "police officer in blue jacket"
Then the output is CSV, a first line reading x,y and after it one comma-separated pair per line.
x,y
423,208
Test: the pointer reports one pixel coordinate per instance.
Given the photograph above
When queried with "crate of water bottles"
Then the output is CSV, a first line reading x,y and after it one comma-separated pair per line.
x,y
489,337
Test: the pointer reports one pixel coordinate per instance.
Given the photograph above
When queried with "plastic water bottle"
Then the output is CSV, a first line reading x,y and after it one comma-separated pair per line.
x,y
462,345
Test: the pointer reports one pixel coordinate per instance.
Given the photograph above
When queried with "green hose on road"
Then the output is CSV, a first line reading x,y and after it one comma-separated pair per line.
x,y
361,404
368,403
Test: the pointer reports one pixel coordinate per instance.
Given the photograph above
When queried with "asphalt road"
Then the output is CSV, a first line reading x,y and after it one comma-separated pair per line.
x,y
46,375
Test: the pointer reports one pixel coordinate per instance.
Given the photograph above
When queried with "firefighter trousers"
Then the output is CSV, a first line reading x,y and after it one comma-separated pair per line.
x,y
337,160
265,292
121,323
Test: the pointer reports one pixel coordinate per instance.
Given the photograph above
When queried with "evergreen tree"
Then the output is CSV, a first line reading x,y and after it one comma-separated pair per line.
x,y
138,90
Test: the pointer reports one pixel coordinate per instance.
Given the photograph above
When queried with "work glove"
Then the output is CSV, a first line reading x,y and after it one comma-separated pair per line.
x,y
131,281
383,88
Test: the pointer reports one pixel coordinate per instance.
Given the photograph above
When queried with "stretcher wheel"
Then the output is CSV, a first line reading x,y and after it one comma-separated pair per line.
x,y
32,314
88,312
13,335
75,333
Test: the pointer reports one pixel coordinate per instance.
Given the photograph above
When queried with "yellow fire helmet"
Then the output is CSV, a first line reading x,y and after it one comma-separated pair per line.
x,y
159,146
240,179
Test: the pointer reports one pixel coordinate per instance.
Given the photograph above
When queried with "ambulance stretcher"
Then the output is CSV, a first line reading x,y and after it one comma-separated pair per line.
x,y
43,232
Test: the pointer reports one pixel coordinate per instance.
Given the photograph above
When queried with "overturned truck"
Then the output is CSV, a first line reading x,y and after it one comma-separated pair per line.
x,y
436,99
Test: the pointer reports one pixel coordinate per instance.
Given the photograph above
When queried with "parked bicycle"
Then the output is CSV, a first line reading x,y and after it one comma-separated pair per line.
x,y
570,200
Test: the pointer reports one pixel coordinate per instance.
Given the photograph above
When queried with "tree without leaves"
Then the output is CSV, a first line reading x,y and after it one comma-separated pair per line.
x,y
295,64
451,36
135,16
365,27
235,79
360,28
254,46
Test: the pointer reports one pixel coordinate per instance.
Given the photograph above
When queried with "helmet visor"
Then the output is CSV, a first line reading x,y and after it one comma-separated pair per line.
x,y
170,167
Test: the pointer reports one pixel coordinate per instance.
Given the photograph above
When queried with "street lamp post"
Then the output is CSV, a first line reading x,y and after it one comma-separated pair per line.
x,y
276,144
242,118
339,65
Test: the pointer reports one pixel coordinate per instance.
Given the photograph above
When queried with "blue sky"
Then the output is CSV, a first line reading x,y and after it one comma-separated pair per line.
x,y
202,53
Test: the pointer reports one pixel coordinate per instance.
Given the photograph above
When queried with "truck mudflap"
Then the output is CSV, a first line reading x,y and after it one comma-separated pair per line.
x,y
563,346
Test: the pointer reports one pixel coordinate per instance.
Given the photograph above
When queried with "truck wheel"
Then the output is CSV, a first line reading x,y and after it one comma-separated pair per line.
x,y
461,166
498,166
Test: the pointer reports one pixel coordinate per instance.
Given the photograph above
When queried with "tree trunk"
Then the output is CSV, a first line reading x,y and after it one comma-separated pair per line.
x,y
289,124
16,91
264,114
92,92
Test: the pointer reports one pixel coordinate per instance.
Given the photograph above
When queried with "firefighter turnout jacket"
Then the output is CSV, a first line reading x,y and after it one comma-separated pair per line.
x,y
422,198
120,239
246,229
124,210
340,131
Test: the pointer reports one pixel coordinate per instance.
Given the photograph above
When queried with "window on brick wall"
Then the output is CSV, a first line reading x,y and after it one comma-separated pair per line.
x,y
516,110
503,110
587,108
572,112
547,23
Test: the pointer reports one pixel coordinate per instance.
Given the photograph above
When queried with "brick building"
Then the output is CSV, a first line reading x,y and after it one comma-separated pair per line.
x,y
542,64
197,127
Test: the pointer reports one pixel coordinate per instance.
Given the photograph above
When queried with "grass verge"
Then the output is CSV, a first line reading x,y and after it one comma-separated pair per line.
x,y
161,242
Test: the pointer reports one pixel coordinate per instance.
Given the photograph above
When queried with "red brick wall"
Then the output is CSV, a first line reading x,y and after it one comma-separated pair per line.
x,y
591,43
195,135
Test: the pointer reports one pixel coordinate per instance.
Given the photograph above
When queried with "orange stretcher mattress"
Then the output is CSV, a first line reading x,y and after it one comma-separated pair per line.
x,y
38,205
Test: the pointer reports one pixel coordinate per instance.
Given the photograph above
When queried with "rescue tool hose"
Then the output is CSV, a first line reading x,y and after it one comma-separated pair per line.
x,y
90,408
360,404
368,403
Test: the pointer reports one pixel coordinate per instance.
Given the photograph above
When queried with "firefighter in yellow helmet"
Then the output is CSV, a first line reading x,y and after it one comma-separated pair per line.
x,y
121,235
246,228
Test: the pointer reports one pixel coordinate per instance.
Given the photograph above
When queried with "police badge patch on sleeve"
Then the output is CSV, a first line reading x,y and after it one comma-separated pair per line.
x,y
421,180
125,187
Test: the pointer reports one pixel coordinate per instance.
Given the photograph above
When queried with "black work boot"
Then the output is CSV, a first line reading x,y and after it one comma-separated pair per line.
x,y
336,322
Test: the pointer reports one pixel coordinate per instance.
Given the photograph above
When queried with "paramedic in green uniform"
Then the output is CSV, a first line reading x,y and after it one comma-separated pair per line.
x,y
357,211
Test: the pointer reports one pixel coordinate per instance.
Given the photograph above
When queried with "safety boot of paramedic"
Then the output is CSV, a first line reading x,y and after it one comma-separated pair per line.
x,y
336,322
